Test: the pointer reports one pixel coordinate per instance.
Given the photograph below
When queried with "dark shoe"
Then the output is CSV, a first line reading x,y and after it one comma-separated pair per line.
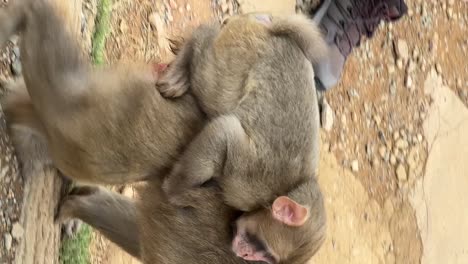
x,y
343,24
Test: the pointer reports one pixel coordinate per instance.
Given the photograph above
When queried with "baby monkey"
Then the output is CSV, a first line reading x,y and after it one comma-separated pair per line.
x,y
253,78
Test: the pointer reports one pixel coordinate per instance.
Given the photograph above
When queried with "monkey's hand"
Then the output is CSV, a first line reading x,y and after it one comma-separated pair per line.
x,y
177,188
174,82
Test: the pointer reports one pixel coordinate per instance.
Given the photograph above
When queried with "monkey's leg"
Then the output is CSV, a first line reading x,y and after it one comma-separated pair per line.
x,y
222,141
175,81
114,215
18,107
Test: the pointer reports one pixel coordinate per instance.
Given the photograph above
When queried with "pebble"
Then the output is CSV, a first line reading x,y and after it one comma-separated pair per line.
x,y
401,144
353,93
420,137
17,231
438,68
173,4
377,120
399,64
396,135
413,158
409,82
411,66
382,151
393,159
402,49
16,67
391,69
393,87
156,21
16,51
7,239
401,173
355,165
188,7
327,116
375,162
123,26
14,39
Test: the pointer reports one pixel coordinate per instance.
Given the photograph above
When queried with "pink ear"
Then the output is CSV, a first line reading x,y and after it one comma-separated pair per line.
x,y
289,212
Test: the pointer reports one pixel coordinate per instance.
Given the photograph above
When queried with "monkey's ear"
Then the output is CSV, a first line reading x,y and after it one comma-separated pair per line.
x,y
289,212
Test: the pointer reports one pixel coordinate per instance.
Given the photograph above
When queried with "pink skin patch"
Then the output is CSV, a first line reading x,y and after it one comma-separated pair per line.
x,y
246,251
157,69
160,67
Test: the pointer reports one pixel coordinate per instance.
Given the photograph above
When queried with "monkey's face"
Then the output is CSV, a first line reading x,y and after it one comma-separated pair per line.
x,y
249,242
275,235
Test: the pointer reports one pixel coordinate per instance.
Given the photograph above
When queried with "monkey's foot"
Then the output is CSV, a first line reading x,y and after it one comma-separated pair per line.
x,y
66,214
173,83
71,227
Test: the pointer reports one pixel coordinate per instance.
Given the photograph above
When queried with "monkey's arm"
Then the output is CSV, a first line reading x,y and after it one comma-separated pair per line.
x,y
222,141
114,215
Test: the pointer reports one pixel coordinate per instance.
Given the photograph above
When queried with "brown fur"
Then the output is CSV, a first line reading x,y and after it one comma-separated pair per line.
x,y
253,77
114,125
102,125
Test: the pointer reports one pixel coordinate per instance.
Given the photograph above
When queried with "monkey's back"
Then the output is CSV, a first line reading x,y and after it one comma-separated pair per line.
x,y
275,101
138,133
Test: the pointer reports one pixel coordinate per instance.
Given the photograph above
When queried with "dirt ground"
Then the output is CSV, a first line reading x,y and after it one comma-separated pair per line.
x,y
394,154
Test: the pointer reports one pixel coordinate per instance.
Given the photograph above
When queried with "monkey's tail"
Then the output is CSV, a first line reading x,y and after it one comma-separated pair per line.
x,y
305,32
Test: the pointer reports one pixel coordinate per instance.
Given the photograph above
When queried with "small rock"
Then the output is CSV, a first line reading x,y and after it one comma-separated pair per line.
x,y
16,67
401,144
450,13
393,87
16,51
413,158
402,49
343,119
396,135
173,4
224,7
408,82
327,116
14,39
382,151
411,66
391,69
355,165
438,68
377,120
399,64
188,7
375,162
401,173
123,26
420,137
17,231
393,159
7,239
156,21
352,93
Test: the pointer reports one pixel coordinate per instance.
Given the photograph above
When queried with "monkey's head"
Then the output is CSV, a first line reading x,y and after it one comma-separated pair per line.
x,y
285,232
